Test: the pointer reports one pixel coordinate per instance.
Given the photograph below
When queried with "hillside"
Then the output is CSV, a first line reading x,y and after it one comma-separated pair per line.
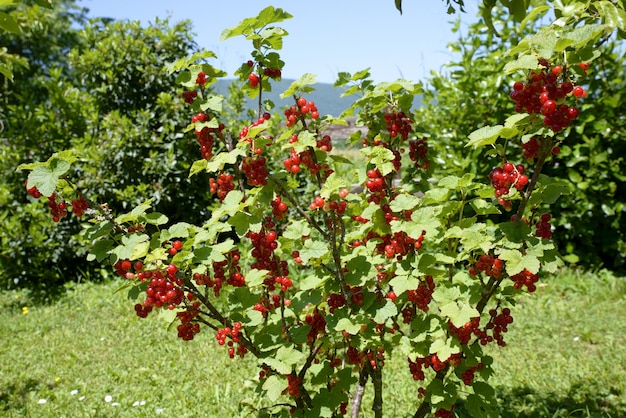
x,y
326,98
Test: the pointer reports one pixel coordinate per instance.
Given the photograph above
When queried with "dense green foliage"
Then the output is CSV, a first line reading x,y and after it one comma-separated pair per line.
x,y
101,88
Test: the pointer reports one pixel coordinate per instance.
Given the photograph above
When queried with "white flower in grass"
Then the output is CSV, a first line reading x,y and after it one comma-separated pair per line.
x,y
108,398
42,401
115,404
74,392
82,398
159,411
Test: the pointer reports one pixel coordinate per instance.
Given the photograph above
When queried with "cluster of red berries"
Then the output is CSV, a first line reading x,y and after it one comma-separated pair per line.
x,y
525,278
324,143
58,210
223,185
235,278
302,108
445,413
264,305
498,325
543,227
317,322
175,247
294,384
190,96
255,170
79,206
531,148
335,301
205,280
490,265
398,124
306,157
377,185
464,334
234,334
468,374
162,291
254,80
201,79
422,295
417,367
206,136
279,208
264,243
418,151
502,178
544,94
187,329
164,288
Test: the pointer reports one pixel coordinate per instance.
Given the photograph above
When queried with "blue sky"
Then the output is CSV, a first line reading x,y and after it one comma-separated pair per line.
x,y
325,37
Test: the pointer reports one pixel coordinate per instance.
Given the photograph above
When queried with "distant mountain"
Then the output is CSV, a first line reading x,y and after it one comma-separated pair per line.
x,y
327,98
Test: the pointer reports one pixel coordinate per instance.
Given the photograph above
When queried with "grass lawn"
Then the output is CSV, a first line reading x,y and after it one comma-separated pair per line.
x,y
89,355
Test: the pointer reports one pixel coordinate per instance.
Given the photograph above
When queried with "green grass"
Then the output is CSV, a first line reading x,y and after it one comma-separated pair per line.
x,y
566,357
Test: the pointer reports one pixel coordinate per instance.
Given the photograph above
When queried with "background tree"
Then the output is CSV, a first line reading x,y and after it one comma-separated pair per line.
x,y
590,222
101,88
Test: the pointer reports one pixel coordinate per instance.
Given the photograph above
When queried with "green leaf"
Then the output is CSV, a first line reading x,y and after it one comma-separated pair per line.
x,y
381,157
297,229
516,262
401,284
515,231
213,103
313,249
9,24
284,360
444,348
459,316
486,135
525,62
45,3
399,5
179,230
255,277
6,71
218,162
133,247
273,387
385,312
100,250
300,85
250,25
198,166
344,324
46,177
133,215
156,218
333,184
242,221
483,207
404,202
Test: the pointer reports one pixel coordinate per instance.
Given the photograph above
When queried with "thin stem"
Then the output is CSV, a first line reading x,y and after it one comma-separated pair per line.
x,y
358,394
377,382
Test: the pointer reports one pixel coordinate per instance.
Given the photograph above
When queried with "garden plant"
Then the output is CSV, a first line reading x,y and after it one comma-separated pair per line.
x,y
323,268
